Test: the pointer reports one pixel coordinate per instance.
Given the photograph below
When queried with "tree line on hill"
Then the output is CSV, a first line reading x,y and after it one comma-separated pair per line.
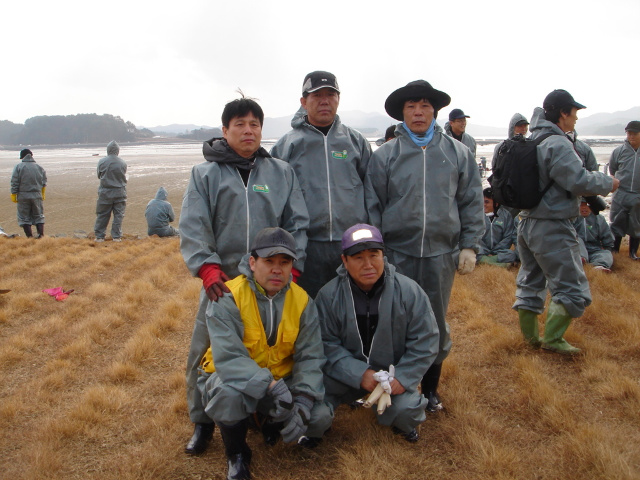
x,y
70,129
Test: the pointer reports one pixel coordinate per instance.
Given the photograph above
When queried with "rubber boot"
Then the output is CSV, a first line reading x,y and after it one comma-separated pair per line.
x,y
429,386
616,244
202,435
558,320
27,231
634,243
40,229
237,450
529,327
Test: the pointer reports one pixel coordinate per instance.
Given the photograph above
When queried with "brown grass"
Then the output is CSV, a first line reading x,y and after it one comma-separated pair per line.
x,y
93,387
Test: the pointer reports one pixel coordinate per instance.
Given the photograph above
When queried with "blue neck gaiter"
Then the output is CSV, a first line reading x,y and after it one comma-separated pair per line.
x,y
422,140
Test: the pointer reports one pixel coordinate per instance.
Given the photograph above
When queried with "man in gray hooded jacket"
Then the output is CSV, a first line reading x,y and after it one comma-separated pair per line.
x,y
159,214
547,241
330,160
424,191
28,184
112,194
373,317
239,190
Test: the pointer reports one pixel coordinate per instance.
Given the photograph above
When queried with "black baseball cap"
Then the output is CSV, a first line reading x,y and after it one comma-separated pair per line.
x,y
633,126
319,79
558,99
272,241
457,113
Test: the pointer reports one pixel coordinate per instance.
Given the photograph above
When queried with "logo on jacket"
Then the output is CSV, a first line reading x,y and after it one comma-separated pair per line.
x,y
261,188
341,155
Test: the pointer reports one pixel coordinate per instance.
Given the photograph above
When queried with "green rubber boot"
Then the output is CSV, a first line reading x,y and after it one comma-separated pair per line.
x,y
529,327
558,320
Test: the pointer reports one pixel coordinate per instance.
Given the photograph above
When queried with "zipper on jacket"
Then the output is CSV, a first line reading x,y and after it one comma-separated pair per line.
x,y
270,320
355,318
246,199
326,156
424,200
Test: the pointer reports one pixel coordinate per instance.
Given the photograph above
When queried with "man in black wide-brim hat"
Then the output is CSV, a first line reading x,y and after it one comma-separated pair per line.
x,y
423,190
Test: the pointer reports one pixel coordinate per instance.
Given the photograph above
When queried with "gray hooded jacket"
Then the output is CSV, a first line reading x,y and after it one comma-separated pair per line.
x,y
331,171
159,213
624,164
510,133
499,235
28,179
406,336
426,202
112,172
558,161
594,232
234,365
467,139
220,216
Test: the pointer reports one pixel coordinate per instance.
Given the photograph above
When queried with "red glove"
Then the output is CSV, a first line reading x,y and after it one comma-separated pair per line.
x,y
295,274
213,279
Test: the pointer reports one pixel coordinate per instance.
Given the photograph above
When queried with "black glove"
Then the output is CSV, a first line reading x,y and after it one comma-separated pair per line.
x,y
283,402
296,426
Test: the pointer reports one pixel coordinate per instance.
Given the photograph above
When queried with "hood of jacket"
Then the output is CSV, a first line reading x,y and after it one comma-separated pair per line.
x,y
113,148
29,158
512,123
162,194
218,150
540,125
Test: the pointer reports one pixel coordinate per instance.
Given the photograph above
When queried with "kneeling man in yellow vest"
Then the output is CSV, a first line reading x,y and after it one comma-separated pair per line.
x,y
266,355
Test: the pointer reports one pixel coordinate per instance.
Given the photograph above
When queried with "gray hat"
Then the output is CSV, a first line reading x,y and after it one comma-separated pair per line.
x,y
272,241
361,237
316,80
633,126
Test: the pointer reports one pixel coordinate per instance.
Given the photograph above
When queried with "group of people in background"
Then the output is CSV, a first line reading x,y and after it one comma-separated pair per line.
x,y
29,182
327,268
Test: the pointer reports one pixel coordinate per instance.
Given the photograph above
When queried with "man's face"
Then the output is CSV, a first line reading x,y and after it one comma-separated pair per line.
x,y
244,135
567,122
321,106
521,129
634,139
418,115
365,267
488,205
585,211
458,126
272,273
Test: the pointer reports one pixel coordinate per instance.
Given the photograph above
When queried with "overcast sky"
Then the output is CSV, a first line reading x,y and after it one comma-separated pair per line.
x,y
161,62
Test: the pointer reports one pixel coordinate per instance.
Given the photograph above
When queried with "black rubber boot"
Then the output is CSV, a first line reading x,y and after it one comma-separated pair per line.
x,y
634,243
202,435
616,244
429,386
237,450
27,231
40,229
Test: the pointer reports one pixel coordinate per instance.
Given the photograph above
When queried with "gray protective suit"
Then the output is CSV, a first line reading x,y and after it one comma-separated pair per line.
x,y
159,214
219,219
239,385
467,140
331,171
625,205
428,205
585,153
406,337
27,181
498,237
112,193
596,240
547,241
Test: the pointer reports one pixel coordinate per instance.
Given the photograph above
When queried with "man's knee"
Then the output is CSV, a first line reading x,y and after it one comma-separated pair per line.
x,y
321,419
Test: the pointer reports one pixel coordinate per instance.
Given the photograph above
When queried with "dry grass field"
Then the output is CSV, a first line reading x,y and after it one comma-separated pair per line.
x,y
93,387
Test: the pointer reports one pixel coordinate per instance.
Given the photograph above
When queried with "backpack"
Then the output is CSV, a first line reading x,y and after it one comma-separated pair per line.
x,y
515,178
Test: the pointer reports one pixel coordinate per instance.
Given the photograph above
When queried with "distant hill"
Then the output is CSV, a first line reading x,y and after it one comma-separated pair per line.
x,y
177,128
607,123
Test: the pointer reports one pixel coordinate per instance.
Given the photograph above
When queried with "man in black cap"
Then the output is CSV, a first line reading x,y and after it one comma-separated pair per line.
x,y
330,160
547,242
266,355
456,128
377,325
28,184
625,206
425,193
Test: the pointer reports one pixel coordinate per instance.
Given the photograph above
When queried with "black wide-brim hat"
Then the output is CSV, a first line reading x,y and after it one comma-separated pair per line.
x,y
411,91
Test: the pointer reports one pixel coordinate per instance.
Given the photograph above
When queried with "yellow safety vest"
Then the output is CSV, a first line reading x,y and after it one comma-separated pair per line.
x,y
279,357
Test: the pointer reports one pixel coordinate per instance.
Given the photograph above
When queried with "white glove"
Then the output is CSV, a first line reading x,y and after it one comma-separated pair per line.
x,y
382,393
466,261
385,378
